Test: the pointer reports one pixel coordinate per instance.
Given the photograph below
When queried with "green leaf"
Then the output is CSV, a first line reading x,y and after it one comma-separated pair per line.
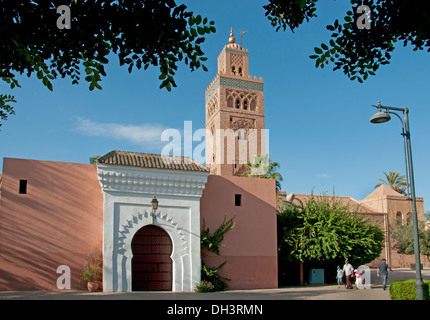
x,y
318,50
45,81
198,19
191,21
201,31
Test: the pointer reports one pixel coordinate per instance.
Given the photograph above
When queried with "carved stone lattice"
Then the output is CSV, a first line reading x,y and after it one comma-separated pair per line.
x,y
242,124
212,106
236,60
247,99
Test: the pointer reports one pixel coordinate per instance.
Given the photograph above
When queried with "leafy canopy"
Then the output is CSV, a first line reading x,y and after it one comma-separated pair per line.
x,y
324,229
359,52
141,33
403,235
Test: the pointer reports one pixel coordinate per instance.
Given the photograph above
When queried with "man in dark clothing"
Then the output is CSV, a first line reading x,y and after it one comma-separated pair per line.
x,y
383,272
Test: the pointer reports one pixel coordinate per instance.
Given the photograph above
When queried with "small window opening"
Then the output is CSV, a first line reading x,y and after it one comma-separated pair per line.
x,y
233,70
245,105
237,200
240,71
237,103
23,186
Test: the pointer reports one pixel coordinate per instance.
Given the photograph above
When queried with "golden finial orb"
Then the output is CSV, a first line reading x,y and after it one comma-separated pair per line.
x,y
232,39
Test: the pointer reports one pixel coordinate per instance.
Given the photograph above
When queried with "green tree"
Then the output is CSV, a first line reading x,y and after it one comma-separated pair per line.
x,y
263,167
358,51
395,181
326,230
403,234
141,33
5,108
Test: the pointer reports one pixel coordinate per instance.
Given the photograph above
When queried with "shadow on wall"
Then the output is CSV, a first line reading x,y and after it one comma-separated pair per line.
x,y
58,218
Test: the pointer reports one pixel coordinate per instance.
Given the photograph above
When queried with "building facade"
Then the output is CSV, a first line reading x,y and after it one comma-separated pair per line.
x,y
382,207
68,209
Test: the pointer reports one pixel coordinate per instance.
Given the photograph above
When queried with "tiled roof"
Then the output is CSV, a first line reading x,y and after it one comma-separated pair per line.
x,y
149,160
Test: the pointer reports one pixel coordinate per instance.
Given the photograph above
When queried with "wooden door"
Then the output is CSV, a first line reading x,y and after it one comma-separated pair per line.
x,y
151,264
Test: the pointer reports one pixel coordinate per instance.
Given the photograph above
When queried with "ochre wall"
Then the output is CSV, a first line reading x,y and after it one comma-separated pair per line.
x,y
59,218
251,247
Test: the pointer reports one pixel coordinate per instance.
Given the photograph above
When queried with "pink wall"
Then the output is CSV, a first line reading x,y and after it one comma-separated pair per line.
x,y
60,216
251,247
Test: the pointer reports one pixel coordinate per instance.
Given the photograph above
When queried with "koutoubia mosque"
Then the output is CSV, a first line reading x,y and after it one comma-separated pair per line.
x,y
144,215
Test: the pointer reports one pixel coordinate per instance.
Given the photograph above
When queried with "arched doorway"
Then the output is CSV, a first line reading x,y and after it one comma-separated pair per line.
x,y
151,264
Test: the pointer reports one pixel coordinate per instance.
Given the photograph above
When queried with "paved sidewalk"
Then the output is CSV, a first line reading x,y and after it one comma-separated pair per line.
x,y
325,292
320,292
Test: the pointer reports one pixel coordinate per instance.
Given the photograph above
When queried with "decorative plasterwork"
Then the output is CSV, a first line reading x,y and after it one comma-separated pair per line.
x,y
244,96
151,181
242,124
140,219
127,193
255,85
212,106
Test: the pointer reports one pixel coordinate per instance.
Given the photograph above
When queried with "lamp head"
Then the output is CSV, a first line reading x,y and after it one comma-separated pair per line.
x,y
380,117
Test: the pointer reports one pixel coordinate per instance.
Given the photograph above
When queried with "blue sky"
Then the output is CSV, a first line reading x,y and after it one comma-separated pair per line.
x,y
317,118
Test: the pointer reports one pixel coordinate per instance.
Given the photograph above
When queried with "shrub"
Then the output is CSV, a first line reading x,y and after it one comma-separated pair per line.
x,y
93,269
205,286
405,290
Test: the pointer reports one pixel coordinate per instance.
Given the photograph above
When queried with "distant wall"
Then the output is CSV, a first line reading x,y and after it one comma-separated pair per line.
x,y
251,247
58,218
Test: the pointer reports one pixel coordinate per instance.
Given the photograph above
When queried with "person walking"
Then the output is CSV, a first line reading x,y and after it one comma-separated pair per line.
x,y
348,271
358,279
339,276
382,271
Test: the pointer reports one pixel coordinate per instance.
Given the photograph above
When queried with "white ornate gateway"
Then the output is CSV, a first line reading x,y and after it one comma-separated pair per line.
x,y
129,182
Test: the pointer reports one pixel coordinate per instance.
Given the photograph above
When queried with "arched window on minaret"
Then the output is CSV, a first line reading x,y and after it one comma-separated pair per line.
x,y
245,105
240,71
237,103
253,105
233,69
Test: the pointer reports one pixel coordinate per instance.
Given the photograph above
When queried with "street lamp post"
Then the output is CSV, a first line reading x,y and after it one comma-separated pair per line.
x,y
381,117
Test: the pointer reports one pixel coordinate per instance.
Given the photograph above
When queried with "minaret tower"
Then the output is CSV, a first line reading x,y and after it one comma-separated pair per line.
x,y
234,113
